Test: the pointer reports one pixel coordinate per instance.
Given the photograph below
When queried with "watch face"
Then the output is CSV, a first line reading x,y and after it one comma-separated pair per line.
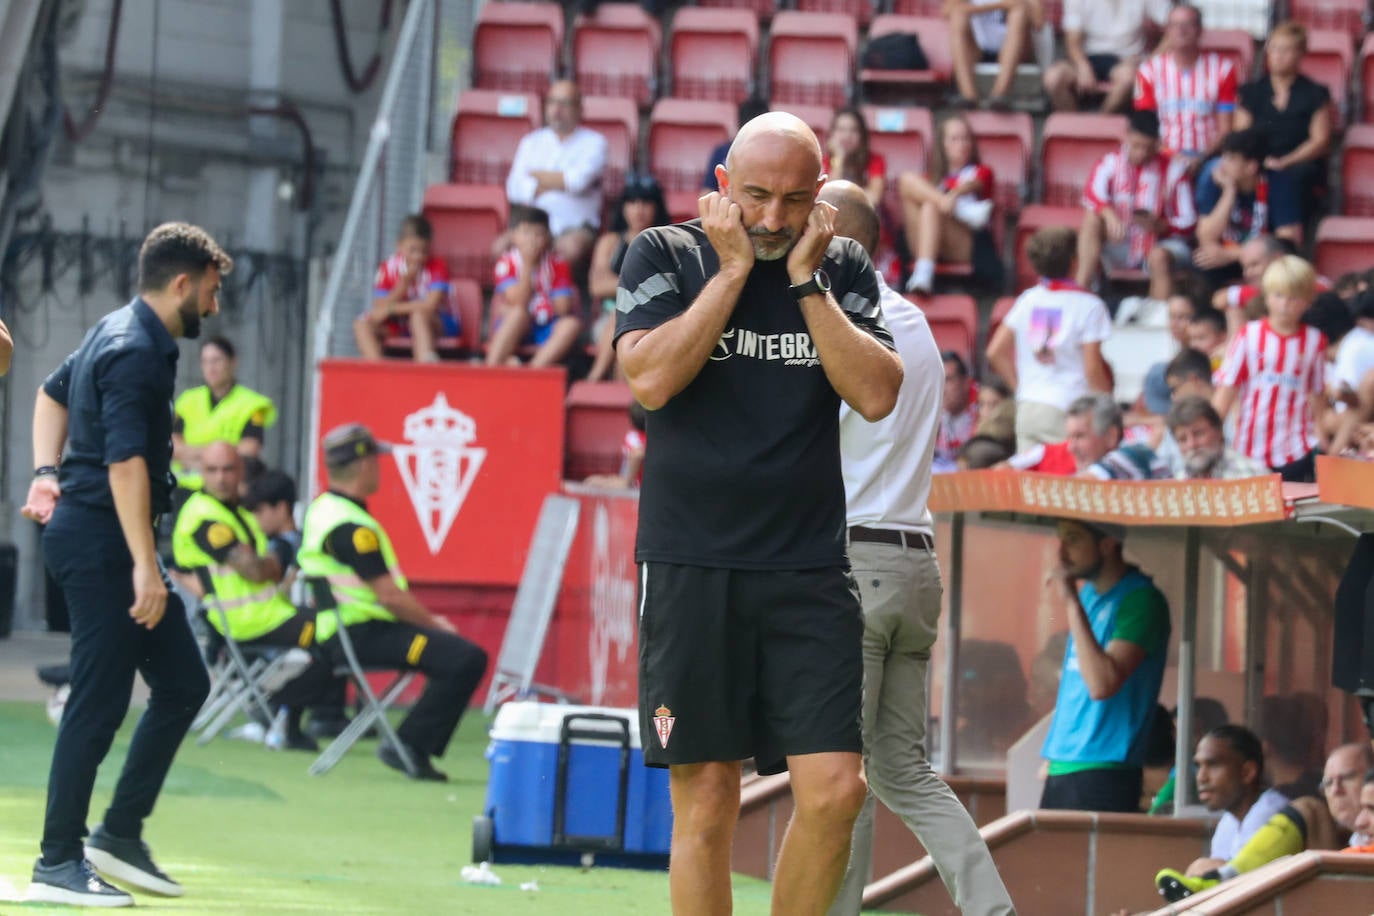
x,y
822,280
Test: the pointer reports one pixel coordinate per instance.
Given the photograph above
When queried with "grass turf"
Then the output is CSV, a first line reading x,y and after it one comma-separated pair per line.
x,y
246,830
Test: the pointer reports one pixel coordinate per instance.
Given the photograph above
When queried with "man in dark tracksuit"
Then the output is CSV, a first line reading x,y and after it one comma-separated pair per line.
x,y
110,404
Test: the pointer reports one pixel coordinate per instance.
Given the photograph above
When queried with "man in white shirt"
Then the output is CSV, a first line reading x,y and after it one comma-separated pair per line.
x,y
1103,40
887,467
559,169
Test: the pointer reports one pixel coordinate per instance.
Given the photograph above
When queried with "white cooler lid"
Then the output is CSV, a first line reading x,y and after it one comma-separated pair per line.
x,y
527,720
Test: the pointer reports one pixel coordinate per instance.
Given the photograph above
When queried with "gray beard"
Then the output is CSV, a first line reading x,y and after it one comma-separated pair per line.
x,y
1202,464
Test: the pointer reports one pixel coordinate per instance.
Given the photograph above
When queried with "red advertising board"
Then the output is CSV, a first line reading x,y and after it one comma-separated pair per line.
x,y
476,451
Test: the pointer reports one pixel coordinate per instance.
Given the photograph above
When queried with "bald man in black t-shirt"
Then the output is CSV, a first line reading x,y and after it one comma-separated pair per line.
x,y
741,332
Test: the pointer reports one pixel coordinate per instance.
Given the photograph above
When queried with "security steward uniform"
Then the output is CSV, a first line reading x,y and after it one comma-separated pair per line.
x,y
344,544
241,414
207,532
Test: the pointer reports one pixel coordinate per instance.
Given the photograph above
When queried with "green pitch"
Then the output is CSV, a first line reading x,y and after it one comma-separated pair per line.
x,y
247,831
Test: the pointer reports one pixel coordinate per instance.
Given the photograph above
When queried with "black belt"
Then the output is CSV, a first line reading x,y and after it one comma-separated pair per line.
x,y
907,539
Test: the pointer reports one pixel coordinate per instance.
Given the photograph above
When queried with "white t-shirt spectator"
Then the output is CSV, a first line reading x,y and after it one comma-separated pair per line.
x,y
581,157
1354,358
1052,321
1231,834
1113,28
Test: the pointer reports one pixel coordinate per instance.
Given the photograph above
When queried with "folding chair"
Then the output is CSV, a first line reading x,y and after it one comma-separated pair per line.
x,y
372,708
242,677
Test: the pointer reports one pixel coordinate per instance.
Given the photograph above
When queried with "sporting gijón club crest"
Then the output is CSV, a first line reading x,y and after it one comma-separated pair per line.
x,y
663,724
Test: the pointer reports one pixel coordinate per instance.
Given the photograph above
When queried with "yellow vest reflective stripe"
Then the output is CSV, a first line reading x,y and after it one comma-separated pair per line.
x,y
252,608
203,424
356,600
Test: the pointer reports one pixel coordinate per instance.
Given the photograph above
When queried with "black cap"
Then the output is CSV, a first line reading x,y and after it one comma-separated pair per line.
x,y
345,444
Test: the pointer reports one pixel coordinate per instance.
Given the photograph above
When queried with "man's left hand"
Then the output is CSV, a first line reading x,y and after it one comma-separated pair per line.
x,y
809,251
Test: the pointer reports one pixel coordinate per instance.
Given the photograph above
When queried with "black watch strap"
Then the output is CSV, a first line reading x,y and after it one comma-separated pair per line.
x,y
47,470
819,283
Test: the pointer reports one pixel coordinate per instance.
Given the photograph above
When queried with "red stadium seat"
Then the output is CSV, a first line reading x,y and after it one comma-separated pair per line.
x,y
713,54
616,53
1236,45
486,130
811,58
1344,244
1000,308
616,119
952,308
682,135
517,46
949,335
466,220
1357,164
1071,145
762,9
1367,79
466,300
1330,61
935,42
1346,16
1034,218
598,418
861,10
1005,141
932,8
903,136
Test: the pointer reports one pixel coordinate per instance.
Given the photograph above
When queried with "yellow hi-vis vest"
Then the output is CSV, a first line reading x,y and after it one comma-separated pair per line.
x,y
253,608
203,424
356,599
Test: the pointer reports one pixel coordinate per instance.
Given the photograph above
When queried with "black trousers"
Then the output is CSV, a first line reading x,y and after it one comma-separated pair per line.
x,y
452,667
316,684
1095,790
85,552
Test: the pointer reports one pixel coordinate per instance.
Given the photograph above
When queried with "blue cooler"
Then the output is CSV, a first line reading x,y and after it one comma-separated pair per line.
x,y
567,781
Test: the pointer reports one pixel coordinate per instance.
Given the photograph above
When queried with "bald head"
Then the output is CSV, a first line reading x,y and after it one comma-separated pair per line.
x,y
222,470
856,218
774,133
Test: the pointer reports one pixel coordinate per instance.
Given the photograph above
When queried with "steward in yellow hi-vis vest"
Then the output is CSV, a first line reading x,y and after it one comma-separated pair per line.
x,y
219,410
342,543
215,533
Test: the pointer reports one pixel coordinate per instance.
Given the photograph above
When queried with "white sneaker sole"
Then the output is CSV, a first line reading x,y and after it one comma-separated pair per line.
x,y
47,893
120,870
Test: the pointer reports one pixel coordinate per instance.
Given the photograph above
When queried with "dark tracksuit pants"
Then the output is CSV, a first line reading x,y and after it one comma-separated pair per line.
x,y
85,551
452,666
316,684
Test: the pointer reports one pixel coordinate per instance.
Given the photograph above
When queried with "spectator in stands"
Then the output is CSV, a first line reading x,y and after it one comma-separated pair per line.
x,y
1238,213
1364,821
221,409
641,205
988,31
1355,355
1049,347
1350,284
749,109
631,455
945,218
1180,307
1103,43
1294,113
559,169
410,297
1188,374
532,302
1276,367
1195,425
993,391
1207,334
1112,671
1140,211
1238,301
959,413
1193,91
1093,447
848,156
1305,823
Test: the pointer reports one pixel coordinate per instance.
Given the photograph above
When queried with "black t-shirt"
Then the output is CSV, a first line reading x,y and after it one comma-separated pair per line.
x,y
744,471
1288,129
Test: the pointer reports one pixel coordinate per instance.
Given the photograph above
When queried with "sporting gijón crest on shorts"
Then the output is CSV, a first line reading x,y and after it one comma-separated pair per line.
x,y
744,470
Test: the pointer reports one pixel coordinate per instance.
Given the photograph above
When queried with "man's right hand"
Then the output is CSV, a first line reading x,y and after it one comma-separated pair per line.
x,y
723,222
1115,228
1084,76
43,494
150,595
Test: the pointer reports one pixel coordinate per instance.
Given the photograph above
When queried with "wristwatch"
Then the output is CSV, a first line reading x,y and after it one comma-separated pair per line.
x,y
819,283
47,470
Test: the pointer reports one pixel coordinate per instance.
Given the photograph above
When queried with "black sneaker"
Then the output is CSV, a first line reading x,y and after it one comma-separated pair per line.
x,y
74,884
128,861
424,769
297,740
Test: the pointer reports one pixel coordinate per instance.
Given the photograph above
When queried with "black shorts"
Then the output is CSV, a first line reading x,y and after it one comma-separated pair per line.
x,y
1102,65
748,663
1110,789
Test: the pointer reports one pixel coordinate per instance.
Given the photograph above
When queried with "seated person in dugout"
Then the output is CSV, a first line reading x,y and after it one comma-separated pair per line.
x,y
214,532
1305,823
534,302
221,409
410,298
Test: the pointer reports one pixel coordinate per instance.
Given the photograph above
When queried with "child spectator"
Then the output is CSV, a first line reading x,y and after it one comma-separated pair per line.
x,y
1049,347
1237,212
946,220
1207,334
1275,367
533,300
848,156
410,298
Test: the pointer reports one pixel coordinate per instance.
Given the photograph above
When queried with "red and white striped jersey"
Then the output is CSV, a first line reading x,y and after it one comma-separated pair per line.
x,y
1276,374
1159,187
972,171
1187,101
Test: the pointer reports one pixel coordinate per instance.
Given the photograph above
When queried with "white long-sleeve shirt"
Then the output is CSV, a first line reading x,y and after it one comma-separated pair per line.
x,y
580,157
